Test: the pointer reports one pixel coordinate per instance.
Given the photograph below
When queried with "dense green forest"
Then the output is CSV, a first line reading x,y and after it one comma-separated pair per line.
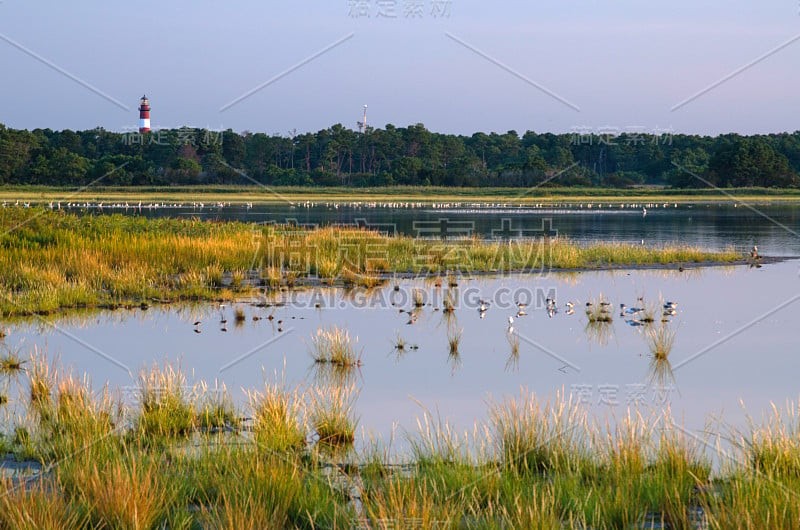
x,y
395,156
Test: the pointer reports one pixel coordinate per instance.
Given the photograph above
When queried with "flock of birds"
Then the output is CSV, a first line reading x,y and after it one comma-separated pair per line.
x,y
57,205
223,320
633,316
195,205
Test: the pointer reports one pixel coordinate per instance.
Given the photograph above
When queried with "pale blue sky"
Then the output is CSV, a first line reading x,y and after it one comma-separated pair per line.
x,y
624,63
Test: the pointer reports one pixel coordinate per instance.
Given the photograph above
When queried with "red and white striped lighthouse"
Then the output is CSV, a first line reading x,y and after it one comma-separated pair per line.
x,y
144,115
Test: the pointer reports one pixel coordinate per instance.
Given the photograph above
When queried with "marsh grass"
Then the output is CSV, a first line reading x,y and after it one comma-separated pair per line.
x,y
239,316
245,489
215,409
536,463
37,506
399,346
278,421
651,311
452,280
418,298
534,436
773,447
128,492
57,260
11,364
449,302
334,346
41,383
660,340
331,415
454,341
166,403
78,416
599,311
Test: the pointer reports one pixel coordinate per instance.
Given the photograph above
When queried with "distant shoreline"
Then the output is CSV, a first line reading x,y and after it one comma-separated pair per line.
x,y
511,197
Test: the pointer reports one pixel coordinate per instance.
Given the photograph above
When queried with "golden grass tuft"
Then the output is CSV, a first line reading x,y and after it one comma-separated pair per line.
x,y
277,415
334,346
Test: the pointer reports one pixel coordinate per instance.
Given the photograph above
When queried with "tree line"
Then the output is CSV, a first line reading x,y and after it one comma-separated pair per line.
x,y
413,155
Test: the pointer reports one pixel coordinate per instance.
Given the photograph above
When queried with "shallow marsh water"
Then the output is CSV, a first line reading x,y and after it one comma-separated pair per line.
x,y
735,329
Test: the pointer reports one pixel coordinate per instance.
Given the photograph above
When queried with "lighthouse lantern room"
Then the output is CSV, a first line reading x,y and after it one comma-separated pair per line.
x,y
144,115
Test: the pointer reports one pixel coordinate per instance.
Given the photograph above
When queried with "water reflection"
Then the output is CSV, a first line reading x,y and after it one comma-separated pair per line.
x,y
512,363
487,359
660,339
599,332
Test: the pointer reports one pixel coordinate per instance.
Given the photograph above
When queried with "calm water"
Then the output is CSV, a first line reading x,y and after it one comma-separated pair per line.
x,y
735,329
774,228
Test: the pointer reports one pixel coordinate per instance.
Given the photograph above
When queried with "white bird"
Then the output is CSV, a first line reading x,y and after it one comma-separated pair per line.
x,y
510,320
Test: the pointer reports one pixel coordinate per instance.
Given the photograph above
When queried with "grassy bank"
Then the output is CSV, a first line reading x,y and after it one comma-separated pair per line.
x,y
53,260
284,194
181,458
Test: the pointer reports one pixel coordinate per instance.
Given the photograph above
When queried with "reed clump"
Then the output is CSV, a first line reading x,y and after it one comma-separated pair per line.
x,y
418,298
599,311
278,421
331,415
11,364
166,403
660,340
535,436
454,341
335,346
128,491
37,506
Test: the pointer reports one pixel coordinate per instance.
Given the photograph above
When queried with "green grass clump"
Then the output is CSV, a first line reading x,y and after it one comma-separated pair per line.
x,y
11,364
250,489
166,408
332,416
215,410
128,491
41,384
532,436
37,506
278,424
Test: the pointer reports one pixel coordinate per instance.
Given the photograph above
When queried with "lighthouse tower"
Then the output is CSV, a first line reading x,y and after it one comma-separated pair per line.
x,y
144,115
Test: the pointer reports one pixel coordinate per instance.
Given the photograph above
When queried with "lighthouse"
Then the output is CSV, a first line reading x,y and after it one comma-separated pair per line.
x,y
144,115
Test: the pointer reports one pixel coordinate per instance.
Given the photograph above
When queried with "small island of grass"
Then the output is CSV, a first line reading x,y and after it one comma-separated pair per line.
x,y
52,260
